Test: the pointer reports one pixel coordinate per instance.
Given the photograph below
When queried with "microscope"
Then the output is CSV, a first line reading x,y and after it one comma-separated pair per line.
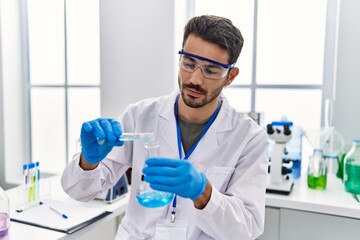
x,y
280,132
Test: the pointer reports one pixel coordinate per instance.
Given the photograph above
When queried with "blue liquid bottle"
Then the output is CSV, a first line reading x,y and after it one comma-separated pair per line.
x,y
145,195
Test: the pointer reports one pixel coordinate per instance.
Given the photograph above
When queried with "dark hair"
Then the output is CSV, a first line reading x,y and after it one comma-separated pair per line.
x,y
217,30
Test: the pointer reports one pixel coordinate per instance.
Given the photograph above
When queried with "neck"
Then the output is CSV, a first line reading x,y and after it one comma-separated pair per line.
x,y
197,115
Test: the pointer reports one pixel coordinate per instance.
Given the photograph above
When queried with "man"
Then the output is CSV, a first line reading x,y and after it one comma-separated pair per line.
x,y
213,158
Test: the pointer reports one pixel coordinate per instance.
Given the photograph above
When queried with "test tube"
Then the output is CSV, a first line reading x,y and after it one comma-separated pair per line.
x,y
37,181
25,174
133,137
136,137
31,189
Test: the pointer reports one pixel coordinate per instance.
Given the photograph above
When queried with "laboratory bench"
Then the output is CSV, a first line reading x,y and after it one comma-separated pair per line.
x,y
303,214
104,228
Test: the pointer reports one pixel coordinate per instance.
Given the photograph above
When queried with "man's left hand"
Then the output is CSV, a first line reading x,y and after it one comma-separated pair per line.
x,y
177,176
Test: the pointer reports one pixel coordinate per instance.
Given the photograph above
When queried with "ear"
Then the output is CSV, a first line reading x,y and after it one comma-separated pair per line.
x,y
232,75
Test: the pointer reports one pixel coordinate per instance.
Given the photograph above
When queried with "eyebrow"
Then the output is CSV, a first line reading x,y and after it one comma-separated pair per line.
x,y
210,65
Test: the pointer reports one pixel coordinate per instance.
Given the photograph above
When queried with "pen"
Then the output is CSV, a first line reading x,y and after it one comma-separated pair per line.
x,y
58,212
28,207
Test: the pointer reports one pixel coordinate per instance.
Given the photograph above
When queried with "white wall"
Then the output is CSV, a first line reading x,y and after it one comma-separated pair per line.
x,y
137,47
347,100
14,95
2,169
137,52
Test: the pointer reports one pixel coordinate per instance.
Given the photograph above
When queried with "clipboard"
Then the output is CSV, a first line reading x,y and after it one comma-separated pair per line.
x,y
42,216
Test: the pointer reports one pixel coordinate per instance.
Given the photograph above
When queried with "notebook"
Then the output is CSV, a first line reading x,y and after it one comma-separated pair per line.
x,y
58,216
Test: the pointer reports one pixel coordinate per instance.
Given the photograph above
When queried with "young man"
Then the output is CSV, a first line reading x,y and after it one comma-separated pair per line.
x,y
213,158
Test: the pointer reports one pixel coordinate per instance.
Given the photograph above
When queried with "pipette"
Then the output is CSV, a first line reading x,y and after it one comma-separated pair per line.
x,y
133,137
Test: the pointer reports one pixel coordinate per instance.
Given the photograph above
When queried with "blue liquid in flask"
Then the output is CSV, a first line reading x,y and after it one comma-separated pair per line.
x,y
154,199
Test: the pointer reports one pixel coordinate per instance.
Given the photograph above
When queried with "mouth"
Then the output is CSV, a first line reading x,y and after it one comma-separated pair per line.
x,y
193,93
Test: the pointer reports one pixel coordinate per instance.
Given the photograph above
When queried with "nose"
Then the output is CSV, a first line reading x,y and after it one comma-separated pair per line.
x,y
197,76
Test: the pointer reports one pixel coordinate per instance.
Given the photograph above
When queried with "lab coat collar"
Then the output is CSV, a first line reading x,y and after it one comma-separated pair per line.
x,y
212,139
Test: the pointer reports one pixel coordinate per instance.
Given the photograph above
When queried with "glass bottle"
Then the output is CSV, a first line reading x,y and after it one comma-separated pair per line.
x,y
352,168
145,195
4,215
317,171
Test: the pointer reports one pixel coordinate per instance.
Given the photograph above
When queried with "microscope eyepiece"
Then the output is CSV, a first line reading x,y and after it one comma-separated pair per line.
x,y
287,130
269,129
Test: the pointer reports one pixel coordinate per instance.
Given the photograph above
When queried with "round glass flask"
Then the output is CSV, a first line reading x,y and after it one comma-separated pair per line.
x,y
145,195
4,215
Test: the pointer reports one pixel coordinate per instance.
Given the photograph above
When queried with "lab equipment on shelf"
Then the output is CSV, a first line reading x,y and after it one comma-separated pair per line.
x,y
317,170
31,184
29,192
331,142
291,164
352,168
281,134
116,192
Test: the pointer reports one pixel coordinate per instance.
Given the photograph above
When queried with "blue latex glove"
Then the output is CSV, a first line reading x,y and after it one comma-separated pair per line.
x,y
176,176
98,137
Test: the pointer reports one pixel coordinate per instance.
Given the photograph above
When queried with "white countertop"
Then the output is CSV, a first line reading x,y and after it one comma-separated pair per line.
x,y
22,231
333,200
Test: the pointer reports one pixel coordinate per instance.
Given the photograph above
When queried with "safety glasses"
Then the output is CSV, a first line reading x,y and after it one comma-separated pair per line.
x,y
212,70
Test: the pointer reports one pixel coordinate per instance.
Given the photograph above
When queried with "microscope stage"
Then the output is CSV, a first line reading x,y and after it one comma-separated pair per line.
x,y
283,187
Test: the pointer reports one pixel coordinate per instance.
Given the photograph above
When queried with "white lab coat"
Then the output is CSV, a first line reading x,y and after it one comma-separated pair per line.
x,y
232,155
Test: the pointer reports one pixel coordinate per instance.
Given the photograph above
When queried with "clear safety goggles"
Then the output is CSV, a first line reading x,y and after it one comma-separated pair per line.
x,y
212,70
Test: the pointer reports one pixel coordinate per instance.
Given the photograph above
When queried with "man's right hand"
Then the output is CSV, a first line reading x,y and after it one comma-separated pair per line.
x,y
98,137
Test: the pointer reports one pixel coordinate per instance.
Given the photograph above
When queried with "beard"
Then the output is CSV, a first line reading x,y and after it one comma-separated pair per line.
x,y
196,102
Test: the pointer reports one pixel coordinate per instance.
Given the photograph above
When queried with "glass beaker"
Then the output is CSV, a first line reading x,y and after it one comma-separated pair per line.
x,y
317,171
146,196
